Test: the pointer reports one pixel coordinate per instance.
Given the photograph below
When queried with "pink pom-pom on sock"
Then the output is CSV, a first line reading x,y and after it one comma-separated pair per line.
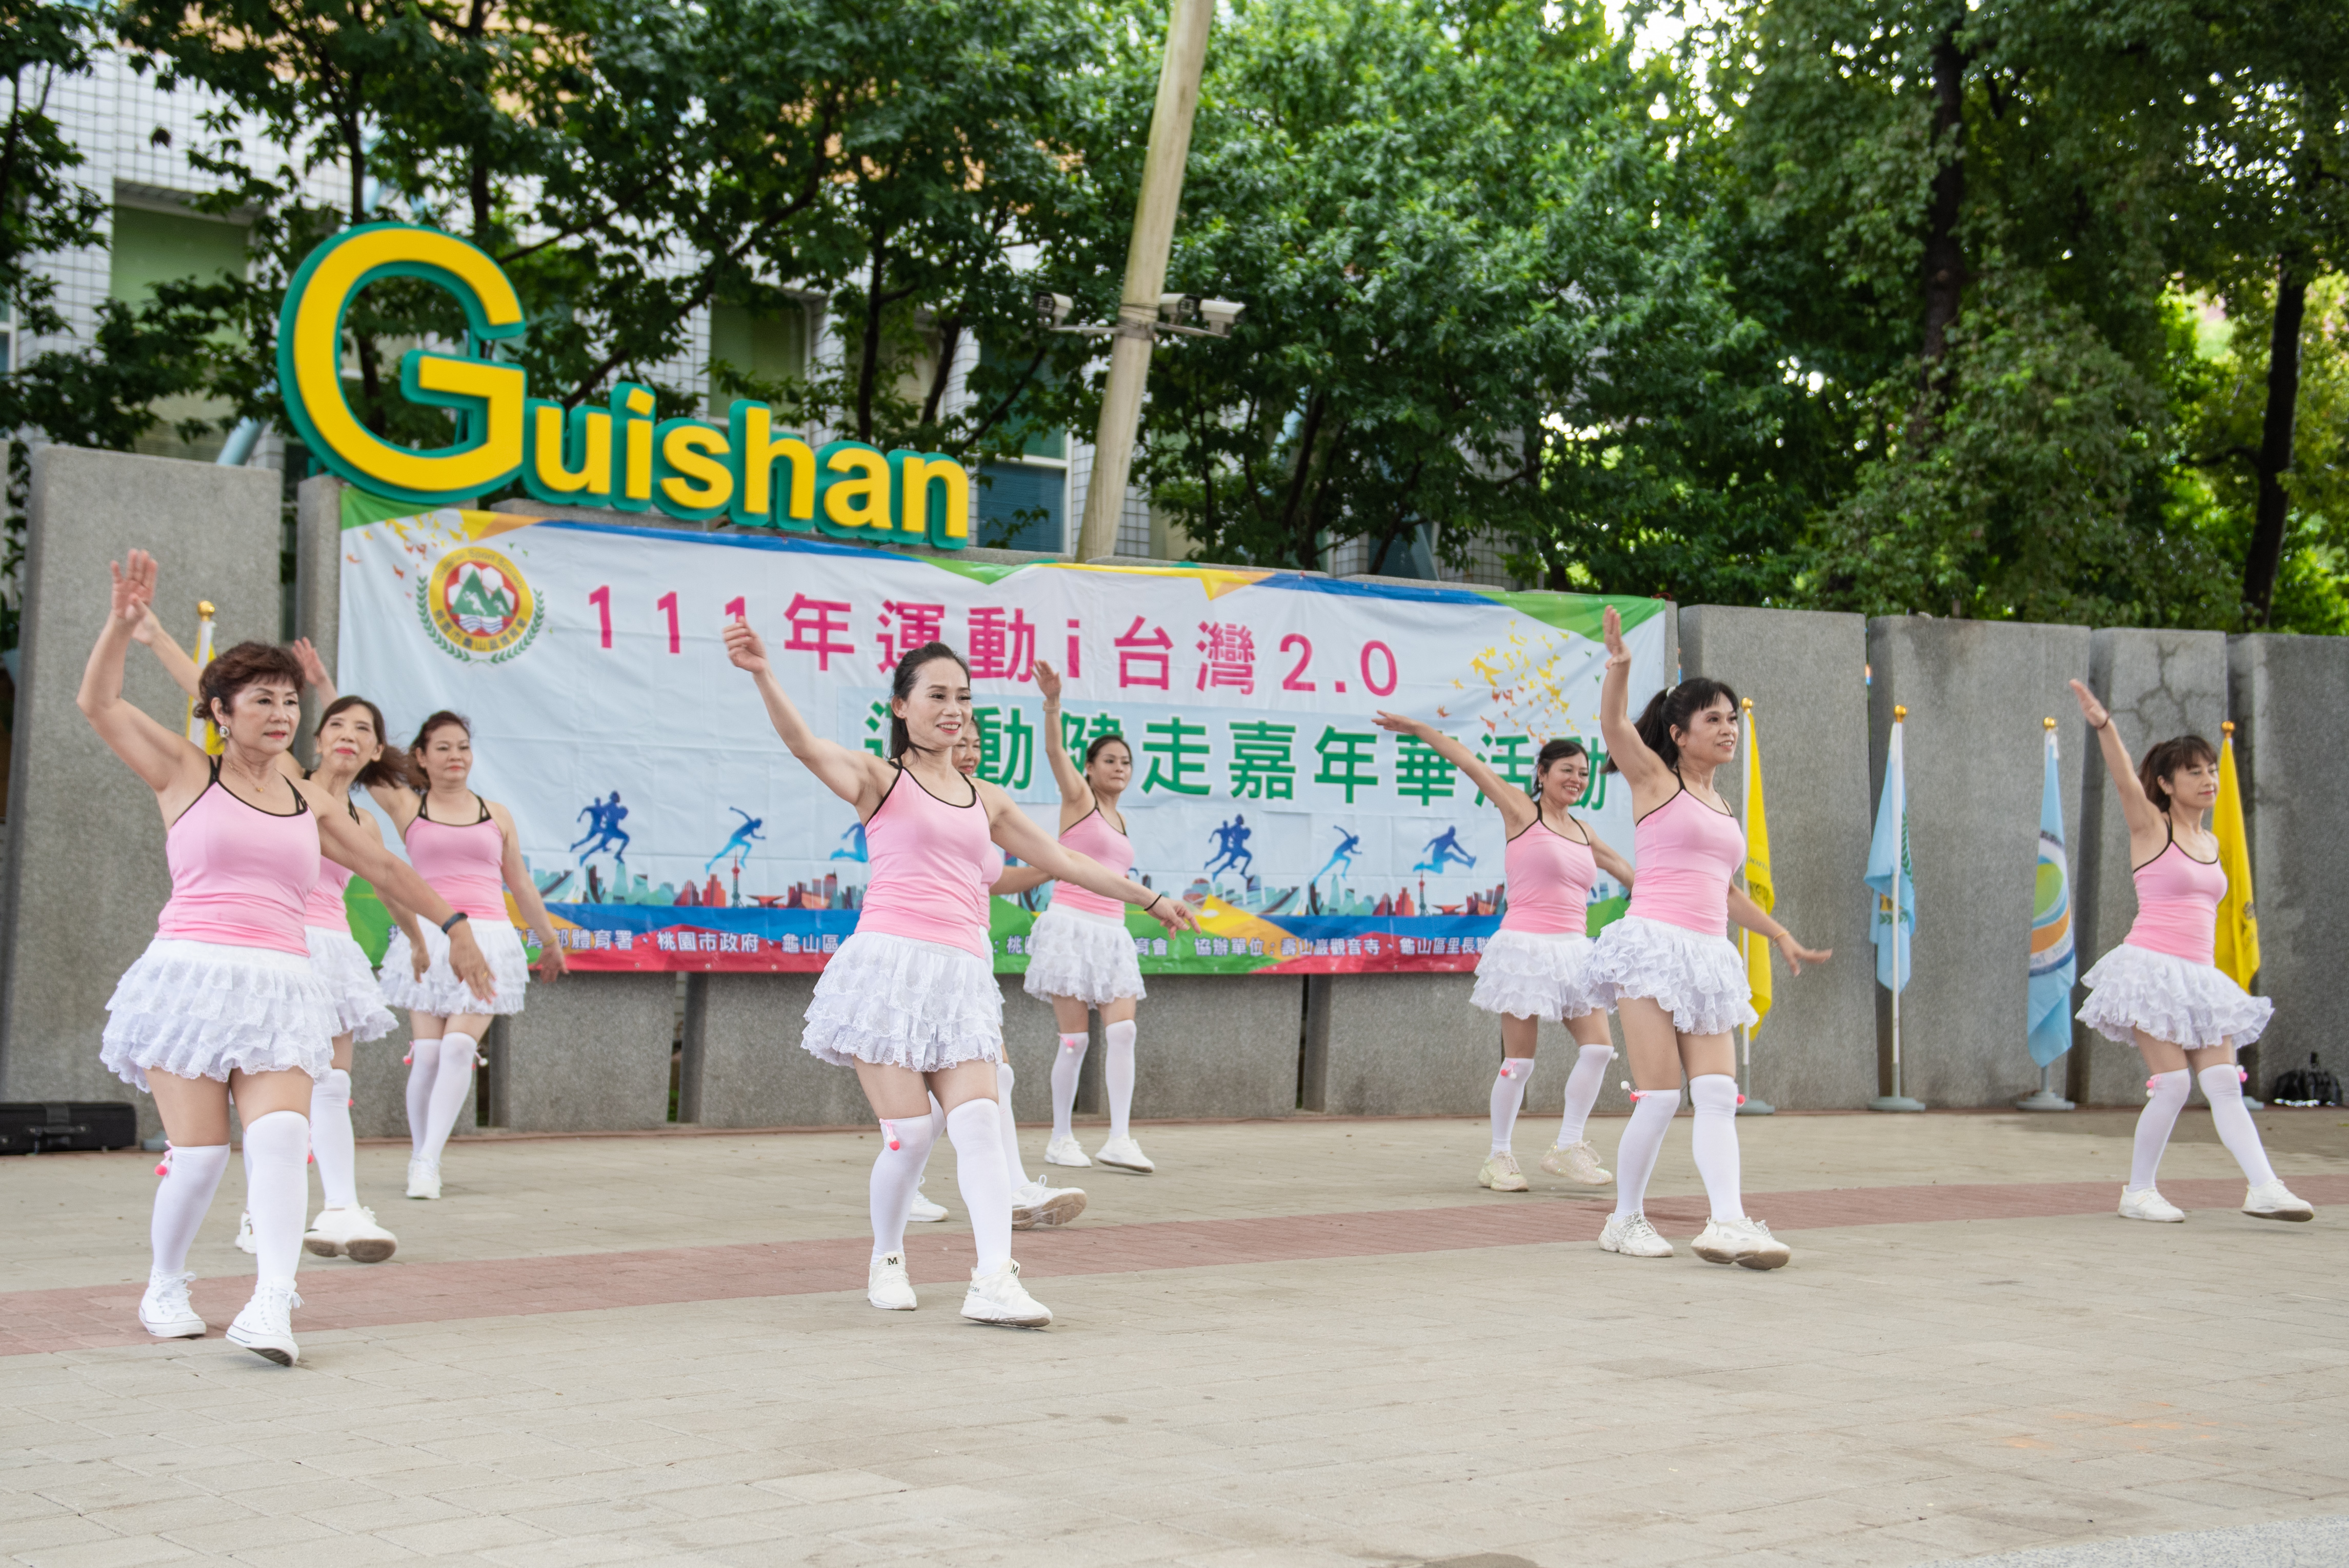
x,y
1741,1099
889,1130
2242,1075
2153,1083
409,1060
163,1166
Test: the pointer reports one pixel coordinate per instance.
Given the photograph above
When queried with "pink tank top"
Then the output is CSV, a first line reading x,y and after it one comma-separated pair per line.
x,y
1094,839
2177,900
926,858
239,876
1550,879
465,865
1686,853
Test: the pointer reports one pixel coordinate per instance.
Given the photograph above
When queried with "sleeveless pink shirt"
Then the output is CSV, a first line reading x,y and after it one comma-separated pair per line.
x,y
240,875
1686,853
926,858
1094,839
1549,878
2177,900
465,865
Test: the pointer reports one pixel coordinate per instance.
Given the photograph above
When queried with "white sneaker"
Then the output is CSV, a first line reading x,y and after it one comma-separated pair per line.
x,y
349,1233
999,1298
924,1212
1500,1173
245,1241
265,1326
1064,1151
1124,1154
1633,1237
1037,1205
2150,1204
886,1286
165,1312
1748,1243
2274,1201
423,1179
1578,1162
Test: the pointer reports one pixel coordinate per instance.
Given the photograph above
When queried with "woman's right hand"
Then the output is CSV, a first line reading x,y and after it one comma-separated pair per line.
x,y
1047,680
1611,630
744,647
2096,713
1404,725
134,590
1173,913
466,959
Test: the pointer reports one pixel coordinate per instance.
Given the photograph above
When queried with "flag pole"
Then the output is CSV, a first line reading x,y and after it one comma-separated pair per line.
x,y
1896,1100
2048,1098
1749,1103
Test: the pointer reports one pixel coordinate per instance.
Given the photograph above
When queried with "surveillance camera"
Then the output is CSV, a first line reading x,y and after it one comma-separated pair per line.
x,y
1053,309
1176,307
1219,315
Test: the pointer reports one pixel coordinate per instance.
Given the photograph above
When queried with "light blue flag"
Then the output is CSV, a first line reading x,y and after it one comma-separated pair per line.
x,y
1889,872
2053,963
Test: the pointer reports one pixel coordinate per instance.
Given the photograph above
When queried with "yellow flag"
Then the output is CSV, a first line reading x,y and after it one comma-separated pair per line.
x,y
1758,886
2239,921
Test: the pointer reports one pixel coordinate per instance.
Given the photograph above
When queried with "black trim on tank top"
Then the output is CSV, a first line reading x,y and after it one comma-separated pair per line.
x,y
301,806
905,772
1543,823
309,774
1096,811
2168,843
424,813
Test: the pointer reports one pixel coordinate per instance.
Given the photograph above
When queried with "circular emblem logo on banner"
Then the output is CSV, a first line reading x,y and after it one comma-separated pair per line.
x,y
477,606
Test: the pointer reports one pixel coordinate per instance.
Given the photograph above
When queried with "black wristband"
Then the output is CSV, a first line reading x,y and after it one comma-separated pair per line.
x,y
450,923
1153,903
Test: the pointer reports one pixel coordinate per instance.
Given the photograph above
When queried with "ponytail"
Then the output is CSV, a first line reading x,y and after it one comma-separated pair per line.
x,y
1671,710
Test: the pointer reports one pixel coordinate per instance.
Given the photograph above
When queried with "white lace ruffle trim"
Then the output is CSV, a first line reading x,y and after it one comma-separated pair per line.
x,y
2188,1004
204,1009
1696,978
899,1003
1087,956
1536,975
440,992
351,990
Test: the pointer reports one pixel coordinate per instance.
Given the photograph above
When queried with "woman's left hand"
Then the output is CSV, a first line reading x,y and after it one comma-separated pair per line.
x,y
1797,954
549,962
1174,914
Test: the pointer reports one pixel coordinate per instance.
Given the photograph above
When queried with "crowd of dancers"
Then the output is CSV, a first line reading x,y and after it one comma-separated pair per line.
x,y
255,992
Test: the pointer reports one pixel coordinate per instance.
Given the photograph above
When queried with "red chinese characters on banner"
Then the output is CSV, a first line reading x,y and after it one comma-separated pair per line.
x,y
905,627
818,626
1144,659
1000,649
1230,657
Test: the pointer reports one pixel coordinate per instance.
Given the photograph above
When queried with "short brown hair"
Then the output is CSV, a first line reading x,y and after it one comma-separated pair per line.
x,y
438,720
247,663
2164,759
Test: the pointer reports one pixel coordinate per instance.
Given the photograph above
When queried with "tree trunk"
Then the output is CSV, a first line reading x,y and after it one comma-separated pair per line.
x,y
2266,556
1945,256
868,369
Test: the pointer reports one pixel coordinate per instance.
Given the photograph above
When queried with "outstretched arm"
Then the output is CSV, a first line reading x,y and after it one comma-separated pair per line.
x,y
1749,914
1640,767
1019,835
525,895
1016,880
344,843
2143,817
159,757
1516,808
1075,793
858,777
1608,860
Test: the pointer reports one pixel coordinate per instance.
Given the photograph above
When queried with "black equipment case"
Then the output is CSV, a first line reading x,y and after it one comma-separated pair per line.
x,y
61,1127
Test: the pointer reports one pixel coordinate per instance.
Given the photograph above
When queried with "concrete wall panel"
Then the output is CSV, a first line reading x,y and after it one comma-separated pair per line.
x,y
590,1054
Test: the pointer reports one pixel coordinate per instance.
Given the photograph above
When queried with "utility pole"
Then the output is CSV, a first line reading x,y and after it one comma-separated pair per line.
x,y
1145,272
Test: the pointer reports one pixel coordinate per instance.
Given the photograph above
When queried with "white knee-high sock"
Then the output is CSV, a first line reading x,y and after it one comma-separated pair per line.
x,y
1018,1172
937,1130
2166,1098
1117,1071
191,1177
1582,1086
276,1163
449,1090
1713,1097
1065,1065
424,1068
2224,1088
1643,1140
976,1127
331,1141
1508,1097
896,1172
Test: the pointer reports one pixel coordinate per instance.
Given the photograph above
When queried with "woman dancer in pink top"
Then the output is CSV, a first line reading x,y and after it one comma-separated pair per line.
x,y
1079,955
1536,967
2159,989
1668,966
466,847
910,1000
225,1002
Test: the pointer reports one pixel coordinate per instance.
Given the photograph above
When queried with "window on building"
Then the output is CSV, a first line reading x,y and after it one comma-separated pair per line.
x,y
759,346
153,246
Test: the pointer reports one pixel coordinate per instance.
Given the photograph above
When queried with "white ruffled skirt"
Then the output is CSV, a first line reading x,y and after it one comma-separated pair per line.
x,y
1536,975
204,1009
351,990
1697,978
2174,999
440,992
1071,953
897,1002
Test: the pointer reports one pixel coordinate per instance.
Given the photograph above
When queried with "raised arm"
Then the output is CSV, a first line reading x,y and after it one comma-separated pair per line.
x,y
525,895
399,803
1018,833
1518,809
168,653
1076,795
161,757
342,842
1630,756
857,776
314,670
1608,860
2143,817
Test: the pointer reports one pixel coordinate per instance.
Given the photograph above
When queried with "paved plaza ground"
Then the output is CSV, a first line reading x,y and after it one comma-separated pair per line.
x,y
1304,1343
